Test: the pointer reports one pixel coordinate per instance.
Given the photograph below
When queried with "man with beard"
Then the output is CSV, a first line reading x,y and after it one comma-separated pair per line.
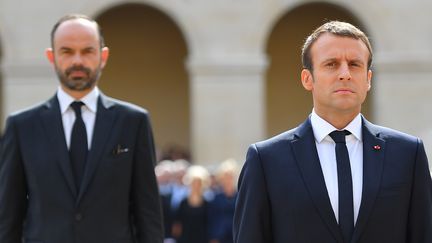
x,y
80,167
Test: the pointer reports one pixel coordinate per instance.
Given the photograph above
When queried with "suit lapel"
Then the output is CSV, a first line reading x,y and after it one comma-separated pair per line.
x,y
103,124
307,159
373,163
53,125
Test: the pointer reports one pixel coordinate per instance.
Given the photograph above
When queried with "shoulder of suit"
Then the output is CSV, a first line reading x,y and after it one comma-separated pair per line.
x,y
28,112
391,134
124,105
279,139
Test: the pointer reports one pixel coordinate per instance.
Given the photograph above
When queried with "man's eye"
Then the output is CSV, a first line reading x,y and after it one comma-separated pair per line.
x,y
88,51
65,51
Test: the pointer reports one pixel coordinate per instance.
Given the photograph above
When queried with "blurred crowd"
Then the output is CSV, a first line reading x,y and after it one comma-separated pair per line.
x,y
198,202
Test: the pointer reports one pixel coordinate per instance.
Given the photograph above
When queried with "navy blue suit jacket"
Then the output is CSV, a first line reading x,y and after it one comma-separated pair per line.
x,y
283,198
118,200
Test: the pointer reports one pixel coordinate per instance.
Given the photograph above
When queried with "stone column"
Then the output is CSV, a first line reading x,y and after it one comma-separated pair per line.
x,y
403,95
227,107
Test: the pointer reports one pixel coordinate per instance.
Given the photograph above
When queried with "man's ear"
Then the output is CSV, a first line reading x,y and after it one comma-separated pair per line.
x,y
307,79
369,79
50,54
104,56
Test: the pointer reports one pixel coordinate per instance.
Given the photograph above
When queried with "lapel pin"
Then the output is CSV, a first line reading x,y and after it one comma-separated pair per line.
x,y
119,150
377,147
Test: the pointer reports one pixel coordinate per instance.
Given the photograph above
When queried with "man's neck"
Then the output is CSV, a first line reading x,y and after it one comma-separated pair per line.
x,y
77,95
339,120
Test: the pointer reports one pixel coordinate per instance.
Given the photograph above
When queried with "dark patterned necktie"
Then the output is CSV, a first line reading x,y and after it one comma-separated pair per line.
x,y
346,208
78,147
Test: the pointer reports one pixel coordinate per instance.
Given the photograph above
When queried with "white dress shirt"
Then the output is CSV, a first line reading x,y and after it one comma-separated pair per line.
x,y
327,156
88,111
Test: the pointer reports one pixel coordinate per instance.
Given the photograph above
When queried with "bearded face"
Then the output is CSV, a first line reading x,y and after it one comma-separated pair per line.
x,y
78,77
77,55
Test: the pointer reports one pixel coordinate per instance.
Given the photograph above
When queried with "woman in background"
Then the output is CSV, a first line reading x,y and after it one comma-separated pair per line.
x,y
191,220
221,209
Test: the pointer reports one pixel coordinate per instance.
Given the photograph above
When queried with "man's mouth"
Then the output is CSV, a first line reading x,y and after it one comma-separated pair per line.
x,y
344,91
77,72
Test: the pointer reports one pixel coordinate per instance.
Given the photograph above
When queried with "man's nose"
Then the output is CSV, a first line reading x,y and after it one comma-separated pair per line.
x,y
77,59
345,73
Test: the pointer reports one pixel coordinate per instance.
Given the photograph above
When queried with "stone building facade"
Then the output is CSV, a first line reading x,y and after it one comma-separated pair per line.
x,y
219,75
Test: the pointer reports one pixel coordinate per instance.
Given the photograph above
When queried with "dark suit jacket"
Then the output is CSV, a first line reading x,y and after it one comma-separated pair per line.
x,y
283,198
118,200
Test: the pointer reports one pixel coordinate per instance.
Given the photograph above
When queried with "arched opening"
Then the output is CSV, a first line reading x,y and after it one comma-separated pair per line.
x,y
288,104
147,67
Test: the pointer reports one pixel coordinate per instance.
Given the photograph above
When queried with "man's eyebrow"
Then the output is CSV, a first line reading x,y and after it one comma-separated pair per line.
x,y
331,59
357,60
65,48
89,48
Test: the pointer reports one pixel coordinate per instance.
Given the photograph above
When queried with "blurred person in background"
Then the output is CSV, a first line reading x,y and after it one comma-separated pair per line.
x,y
164,175
221,208
191,218
179,189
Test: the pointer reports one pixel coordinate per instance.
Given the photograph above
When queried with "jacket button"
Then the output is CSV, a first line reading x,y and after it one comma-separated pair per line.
x,y
78,217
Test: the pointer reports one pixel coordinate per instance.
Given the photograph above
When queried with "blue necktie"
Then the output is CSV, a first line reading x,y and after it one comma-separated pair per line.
x,y
78,147
346,208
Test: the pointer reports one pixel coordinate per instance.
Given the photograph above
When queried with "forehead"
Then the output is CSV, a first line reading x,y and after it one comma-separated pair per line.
x,y
76,32
329,46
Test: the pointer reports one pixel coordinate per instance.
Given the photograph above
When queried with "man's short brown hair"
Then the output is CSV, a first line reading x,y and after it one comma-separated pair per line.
x,y
337,28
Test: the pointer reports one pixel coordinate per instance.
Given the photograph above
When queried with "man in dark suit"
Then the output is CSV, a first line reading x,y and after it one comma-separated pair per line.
x,y
79,168
336,177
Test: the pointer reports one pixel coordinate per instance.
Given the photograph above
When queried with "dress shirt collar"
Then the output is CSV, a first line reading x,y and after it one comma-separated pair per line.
x,y
321,128
90,100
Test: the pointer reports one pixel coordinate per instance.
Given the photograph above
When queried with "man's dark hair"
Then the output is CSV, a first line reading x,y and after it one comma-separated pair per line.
x,y
76,16
337,28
